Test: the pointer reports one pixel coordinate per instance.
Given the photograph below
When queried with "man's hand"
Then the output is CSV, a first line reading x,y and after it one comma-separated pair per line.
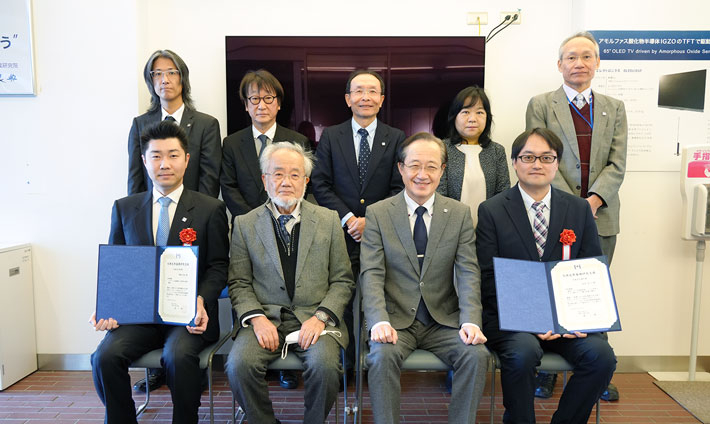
x,y
595,202
310,332
265,332
548,336
384,333
470,334
103,324
576,335
201,318
355,227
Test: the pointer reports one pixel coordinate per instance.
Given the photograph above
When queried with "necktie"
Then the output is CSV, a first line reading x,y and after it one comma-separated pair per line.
x,y
170,119
364,157
161,237
264,139
539,227
420,240
579,101
283,219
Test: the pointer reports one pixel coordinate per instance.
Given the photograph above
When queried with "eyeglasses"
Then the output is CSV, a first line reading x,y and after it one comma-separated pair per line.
x,y
532,158
279,176
572,59
360,93
416,168
170,73
255,100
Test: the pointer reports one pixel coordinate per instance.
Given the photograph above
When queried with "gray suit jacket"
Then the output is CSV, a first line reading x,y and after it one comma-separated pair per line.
x,y
323,274
608,155
494,164
392,283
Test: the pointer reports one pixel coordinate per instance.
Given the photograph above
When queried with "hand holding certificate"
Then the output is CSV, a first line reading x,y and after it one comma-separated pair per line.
x,y
574,296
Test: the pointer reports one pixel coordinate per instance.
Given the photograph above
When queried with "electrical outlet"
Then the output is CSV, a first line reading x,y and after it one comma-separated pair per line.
x,y
475,18
513,13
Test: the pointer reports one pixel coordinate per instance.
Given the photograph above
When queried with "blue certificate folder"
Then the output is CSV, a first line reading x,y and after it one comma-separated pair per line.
x,y
129,282
526,300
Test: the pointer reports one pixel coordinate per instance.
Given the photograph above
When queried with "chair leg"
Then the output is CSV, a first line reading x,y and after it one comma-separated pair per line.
x,y
598,411
209,388
142,408
346,409
493,387
241,414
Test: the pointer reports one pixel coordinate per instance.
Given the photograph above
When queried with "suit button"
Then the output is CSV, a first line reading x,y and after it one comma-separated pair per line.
x,y
421,283
362,201
579,188
578,166
413,309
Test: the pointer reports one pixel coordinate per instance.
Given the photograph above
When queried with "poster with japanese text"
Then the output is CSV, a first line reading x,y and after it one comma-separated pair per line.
x,y
16,61
662,78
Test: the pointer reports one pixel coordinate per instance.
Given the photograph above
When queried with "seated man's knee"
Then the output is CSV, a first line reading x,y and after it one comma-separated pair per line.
x,y
384,355
476,354
522,352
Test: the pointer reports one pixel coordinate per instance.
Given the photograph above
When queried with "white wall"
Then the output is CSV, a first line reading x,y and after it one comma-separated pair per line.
x,y
70,140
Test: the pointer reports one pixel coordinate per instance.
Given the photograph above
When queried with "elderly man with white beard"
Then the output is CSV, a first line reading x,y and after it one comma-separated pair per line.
x,y
274,293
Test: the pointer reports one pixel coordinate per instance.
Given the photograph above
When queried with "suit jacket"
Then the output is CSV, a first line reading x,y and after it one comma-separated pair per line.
x,y
504,231
607,160
132,224
242,188
494,164
323,275
336,181
203,145
392,282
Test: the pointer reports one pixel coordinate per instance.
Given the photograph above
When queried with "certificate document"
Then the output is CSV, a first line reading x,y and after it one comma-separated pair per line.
x,y
559,296
147,284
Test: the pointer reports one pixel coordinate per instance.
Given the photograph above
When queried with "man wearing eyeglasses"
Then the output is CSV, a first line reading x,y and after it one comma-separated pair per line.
x,y
357,164
593,129
242,188
168,81
525,222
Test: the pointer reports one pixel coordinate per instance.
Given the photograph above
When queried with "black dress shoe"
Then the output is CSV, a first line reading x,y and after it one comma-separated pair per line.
x,y
288,380
449,380
611,394
545,384
156,378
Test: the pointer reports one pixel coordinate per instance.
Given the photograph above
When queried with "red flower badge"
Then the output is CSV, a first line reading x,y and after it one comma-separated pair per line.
x,y
567,237
187,236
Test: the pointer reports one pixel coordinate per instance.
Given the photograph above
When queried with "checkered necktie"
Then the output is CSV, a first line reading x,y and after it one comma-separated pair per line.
x,y
580,101
264,139
364,157
539,227
161,236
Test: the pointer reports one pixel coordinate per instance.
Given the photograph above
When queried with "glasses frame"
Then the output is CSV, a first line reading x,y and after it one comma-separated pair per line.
x,y
259,99
535,158
277,177
169,73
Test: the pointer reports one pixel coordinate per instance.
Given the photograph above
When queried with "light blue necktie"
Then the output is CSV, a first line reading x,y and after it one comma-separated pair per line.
x,y
161,237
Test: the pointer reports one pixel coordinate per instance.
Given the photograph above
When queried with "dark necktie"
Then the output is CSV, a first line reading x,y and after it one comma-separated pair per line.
x,y
420,240
264,139
161,236
283,219
170,119
539,227
364,156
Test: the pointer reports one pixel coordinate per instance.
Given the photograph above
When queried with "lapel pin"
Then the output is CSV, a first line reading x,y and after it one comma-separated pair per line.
x,y
184,219
446,210
383,143
189,125
603,113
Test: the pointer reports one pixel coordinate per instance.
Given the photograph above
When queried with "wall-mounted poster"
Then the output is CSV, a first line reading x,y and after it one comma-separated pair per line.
x,y
16,59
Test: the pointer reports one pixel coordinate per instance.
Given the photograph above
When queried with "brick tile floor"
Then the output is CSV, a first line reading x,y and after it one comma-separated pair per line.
x,y
68,397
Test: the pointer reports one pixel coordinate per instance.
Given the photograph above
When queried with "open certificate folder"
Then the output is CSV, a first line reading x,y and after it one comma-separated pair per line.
x,y
562,296
147,284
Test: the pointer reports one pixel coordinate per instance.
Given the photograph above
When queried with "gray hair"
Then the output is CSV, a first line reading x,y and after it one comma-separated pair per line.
x,y
582,34
265,159
184,78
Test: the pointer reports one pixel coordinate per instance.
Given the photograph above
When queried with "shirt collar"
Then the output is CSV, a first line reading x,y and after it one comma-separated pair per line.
x,y
177,114
370,128
572,93
276,214
271,132
174,195
412,205
528,200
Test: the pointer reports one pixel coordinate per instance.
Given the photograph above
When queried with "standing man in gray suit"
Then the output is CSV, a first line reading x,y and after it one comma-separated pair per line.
x,y
289,271
412,244
593,130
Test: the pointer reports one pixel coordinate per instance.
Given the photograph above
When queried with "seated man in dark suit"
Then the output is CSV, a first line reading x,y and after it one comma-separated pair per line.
x,y
157,217
525,222
288,271
413,244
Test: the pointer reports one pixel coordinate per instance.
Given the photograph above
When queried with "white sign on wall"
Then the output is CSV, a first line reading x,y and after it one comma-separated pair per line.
x,y
16,60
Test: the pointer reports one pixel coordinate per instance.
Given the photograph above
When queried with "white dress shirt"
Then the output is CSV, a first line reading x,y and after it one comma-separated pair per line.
x,y
177,115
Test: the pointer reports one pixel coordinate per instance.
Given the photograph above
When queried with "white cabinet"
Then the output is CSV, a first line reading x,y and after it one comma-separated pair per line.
x,y
18,346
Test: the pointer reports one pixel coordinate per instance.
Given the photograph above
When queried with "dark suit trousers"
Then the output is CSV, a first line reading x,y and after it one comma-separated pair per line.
x,y
129,342
354,254
594,364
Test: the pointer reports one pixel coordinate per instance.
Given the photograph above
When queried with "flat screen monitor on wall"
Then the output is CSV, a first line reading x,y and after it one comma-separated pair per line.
x,y
685,90
421,74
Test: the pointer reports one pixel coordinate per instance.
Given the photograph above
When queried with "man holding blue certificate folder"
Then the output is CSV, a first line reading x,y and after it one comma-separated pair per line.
x,y
157,218
526,222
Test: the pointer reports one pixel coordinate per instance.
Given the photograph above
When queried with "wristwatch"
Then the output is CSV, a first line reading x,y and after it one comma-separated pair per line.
x,y
322,316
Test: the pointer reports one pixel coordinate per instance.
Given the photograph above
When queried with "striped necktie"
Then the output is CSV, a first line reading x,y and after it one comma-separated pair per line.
x,y
539,227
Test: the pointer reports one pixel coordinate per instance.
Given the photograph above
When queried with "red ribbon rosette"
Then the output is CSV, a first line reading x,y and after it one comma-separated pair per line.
x,y
567,237
187,236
